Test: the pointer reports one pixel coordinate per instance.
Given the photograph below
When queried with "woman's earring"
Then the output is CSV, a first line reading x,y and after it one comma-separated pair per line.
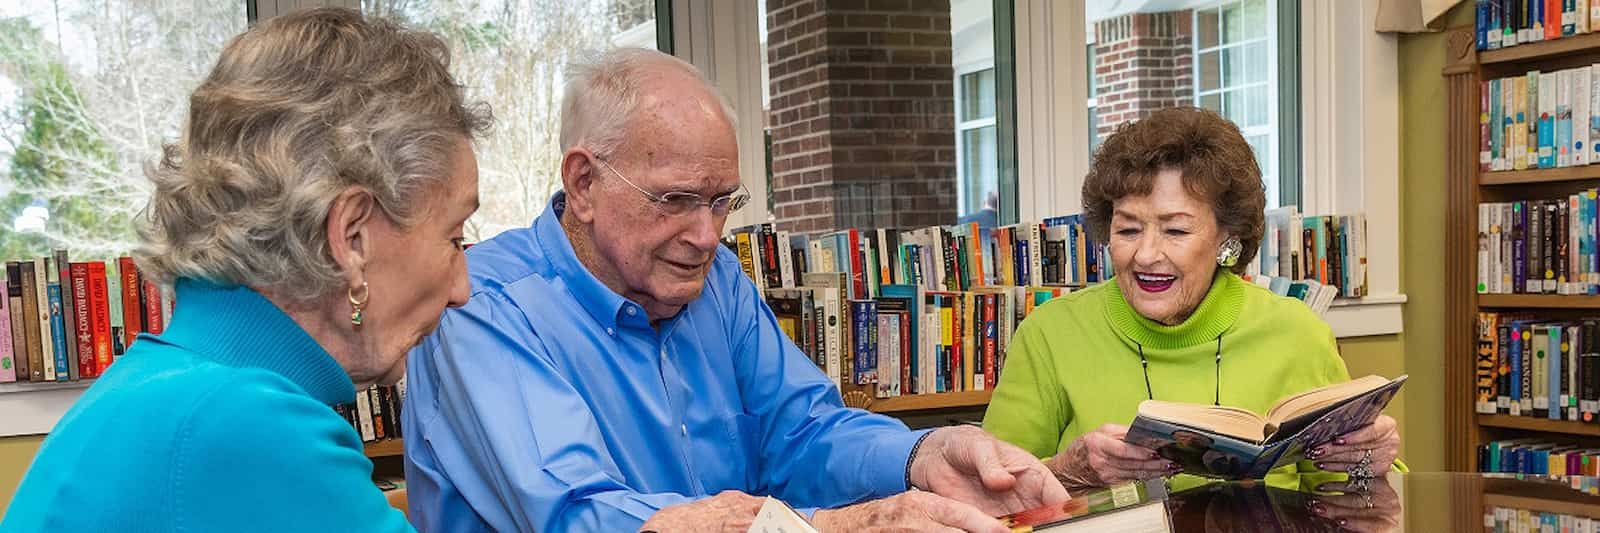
x,y
1228,254
357,303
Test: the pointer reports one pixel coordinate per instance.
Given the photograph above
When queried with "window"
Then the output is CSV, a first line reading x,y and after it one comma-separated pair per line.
x,y
1218,55
882,115
513,56
89,90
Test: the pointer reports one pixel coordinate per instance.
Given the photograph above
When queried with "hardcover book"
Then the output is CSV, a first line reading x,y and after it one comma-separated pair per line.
x,y
1135,506
1233,443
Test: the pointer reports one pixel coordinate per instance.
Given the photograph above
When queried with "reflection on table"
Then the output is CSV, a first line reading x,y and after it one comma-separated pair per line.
x,y
1413,503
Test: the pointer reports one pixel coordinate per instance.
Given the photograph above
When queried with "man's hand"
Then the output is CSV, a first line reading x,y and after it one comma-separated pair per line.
x,y
908,511
727,512
967,464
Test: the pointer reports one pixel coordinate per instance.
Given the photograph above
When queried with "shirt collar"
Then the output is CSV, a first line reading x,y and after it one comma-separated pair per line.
x,y
602,303
1216,313
237,326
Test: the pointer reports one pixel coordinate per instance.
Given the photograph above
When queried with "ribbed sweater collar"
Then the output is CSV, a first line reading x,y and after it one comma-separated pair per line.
x,y
1215,315
237,326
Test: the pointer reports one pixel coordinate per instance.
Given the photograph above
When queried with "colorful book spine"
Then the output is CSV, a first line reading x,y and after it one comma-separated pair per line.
x,y
100,314
83,325
1485,150
132,311
8,364
155,314
1563,119
46,340
1582,81
19,322
68,304
58,328
114,309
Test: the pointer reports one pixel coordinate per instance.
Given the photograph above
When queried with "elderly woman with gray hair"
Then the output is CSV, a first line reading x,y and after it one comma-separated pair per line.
x,y
311,220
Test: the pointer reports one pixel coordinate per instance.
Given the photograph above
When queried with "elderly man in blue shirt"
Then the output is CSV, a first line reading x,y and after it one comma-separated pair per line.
x,y
614,366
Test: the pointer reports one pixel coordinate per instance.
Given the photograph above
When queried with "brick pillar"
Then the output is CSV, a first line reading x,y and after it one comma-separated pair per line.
x,y
862,116
1143,62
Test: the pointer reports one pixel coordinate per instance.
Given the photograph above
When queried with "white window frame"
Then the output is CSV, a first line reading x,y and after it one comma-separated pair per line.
x,y
1349,89
962,126
1270,168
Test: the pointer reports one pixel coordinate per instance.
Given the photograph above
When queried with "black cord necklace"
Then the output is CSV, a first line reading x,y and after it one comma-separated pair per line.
x,y
1145,363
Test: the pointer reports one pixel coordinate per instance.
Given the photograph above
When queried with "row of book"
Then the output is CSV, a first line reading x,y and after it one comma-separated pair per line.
x,y
1527,366
907,340
376,412
65,320
1539,120
1330,250
1055,252
1498,519
1504,23
1536,457
1539,246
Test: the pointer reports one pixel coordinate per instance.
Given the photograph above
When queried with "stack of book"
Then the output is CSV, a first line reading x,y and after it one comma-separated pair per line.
x,y
376,412
1538,120
1539,246
1505,519
931,310
1544,368
1538,458
1312,258
1505,23
64,321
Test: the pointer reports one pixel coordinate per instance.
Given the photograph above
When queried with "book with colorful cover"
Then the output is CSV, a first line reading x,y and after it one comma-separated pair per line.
x,y
1233,443
8,365
1136,506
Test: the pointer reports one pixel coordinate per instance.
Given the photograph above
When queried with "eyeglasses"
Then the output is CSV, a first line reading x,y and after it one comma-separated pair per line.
x,y
677,203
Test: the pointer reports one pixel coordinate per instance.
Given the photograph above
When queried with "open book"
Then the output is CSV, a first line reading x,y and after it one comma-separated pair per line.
x,y
1132,507
1233,443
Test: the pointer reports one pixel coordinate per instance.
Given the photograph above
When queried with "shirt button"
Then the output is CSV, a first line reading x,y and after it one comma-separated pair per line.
x,y
610,331
632,311
684,429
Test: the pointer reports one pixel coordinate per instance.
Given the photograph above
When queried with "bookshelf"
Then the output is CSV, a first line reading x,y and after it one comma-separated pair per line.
x,y
914,403
385,448
1467,186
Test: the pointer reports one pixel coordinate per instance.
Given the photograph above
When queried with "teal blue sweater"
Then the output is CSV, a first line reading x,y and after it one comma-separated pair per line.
x,y
222,423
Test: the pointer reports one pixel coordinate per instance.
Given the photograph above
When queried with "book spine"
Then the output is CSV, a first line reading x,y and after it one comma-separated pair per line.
x,y
30,310
68,305
154,316
8,363
1485,153
1503,373
82,328
1554,368
1482,25
746,261
834,338
991,333
19,322
41,298
1589,365
99,304
1563,118
364,415
1485,367
132,312
1547,119
858,280
1580,89
1550,247
1558,237
1538,374
1569,371
114,308
58,329
785,261
1519,246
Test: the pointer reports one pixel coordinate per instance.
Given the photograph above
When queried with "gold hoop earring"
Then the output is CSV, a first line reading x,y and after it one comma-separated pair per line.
x,y
357,303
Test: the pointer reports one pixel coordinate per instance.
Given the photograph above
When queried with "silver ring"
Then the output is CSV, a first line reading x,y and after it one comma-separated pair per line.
x,y
1358,484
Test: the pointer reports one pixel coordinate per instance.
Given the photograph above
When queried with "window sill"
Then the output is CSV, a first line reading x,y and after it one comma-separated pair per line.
x,y
1379,314
34,408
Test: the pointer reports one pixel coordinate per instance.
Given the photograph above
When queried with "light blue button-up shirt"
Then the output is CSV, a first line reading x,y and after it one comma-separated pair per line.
x,y
549,403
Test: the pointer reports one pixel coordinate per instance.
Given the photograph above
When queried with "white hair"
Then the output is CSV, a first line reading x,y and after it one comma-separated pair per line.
x,y
602,94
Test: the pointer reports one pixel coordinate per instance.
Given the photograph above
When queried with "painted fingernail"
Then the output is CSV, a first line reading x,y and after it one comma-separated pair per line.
x,y
1343,522
1322,466
1319,509
1339,441
1154,455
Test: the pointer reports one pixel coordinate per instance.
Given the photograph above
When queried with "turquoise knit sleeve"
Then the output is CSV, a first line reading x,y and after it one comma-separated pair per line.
x,y
1028,408
257,454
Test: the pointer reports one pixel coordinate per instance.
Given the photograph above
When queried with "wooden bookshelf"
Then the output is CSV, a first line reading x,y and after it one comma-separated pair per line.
x,y
930,402
1544,505
1537,301
1465,70
385,448
1543,175
1543,50
1546,425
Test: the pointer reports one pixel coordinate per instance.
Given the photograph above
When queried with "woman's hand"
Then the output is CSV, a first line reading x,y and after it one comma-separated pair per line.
x,y
1377,444
1371,507
1101,458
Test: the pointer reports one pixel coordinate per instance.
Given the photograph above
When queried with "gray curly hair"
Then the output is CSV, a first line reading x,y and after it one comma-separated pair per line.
x,y
296,110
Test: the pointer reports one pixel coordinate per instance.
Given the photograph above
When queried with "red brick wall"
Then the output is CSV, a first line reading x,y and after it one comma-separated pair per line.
x,y
862,113
1143,62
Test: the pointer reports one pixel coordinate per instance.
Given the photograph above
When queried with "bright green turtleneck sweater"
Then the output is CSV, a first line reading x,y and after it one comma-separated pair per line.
x,y
1073,365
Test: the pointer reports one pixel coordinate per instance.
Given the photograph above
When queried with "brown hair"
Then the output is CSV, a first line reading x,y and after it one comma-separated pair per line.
x,y
1218,167
296,110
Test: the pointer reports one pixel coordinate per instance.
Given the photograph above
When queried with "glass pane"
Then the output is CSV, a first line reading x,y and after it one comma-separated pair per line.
x,y
977,95
1233,106
1232,23
1206,24
1233,66
978,151
1210,70
1212,102
1256,101
1255,19
1255,65
879,145
514,62
89,91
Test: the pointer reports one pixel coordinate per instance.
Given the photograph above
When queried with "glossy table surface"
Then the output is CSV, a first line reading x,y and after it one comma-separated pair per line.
x,y
1411,503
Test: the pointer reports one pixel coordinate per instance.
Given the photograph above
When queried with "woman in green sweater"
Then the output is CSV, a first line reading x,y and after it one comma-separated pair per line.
x,y
1178,198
